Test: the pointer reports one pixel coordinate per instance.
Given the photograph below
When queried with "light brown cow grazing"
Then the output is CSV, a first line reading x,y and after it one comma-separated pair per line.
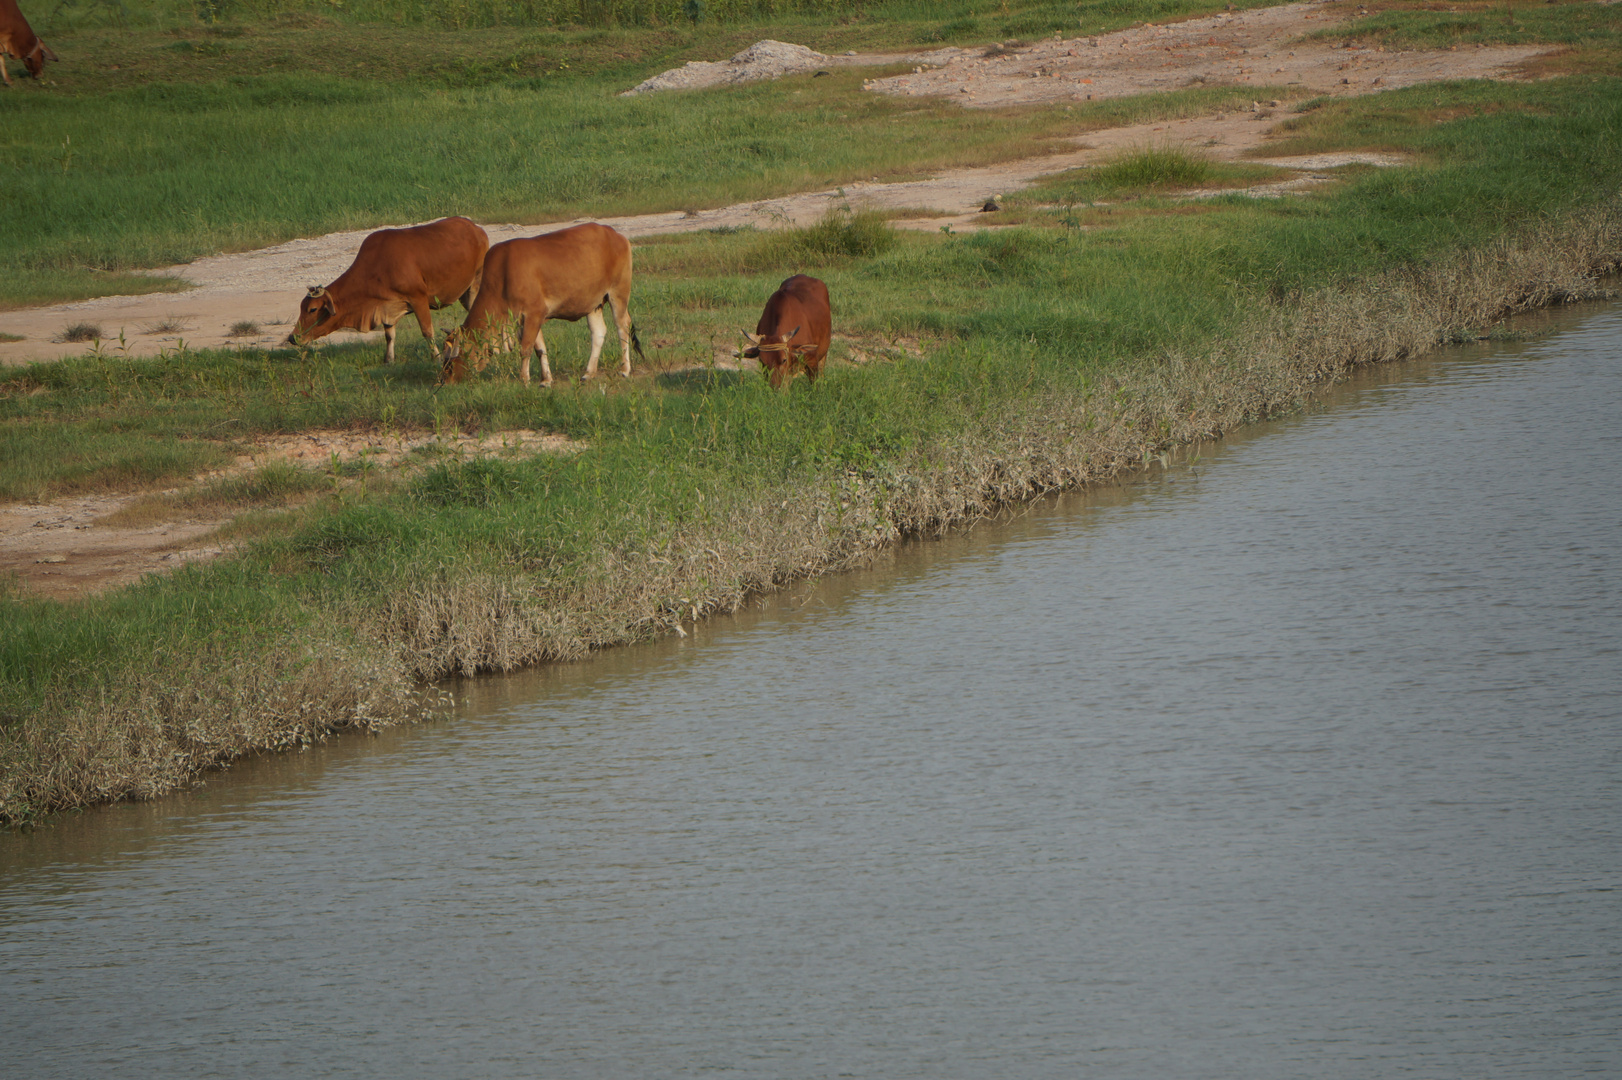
x,y
395,271
18,39
794,331
569,274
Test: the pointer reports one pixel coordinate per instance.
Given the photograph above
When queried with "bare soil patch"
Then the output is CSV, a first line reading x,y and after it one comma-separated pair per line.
x,y
68,548
1262,47
318,448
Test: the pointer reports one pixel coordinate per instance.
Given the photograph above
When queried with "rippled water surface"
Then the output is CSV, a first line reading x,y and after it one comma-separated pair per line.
x,y
1298,761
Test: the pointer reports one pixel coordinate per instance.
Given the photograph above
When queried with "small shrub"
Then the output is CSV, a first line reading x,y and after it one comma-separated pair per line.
x,y
951,31
169,324
1154,167
11,337
82,332
245,328
841,234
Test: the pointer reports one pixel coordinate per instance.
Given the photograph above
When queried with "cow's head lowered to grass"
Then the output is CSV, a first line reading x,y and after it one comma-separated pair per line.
x,y
778,353
313,310
464,347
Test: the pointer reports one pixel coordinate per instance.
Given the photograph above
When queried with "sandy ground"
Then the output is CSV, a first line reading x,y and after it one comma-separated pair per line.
x,y
1261,47
64,550
59,550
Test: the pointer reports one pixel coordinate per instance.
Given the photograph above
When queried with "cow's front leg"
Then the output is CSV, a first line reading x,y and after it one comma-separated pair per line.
x,y
599,334
388,339
538,346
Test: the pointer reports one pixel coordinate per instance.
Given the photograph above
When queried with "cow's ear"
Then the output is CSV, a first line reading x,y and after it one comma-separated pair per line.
x,y
754,339
49,55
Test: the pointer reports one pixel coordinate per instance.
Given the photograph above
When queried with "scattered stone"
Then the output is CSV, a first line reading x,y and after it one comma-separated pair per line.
x,y
991,205
52,559
763,60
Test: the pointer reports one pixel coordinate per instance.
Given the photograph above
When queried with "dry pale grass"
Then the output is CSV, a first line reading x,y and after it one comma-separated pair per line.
x,y
149,737
155,734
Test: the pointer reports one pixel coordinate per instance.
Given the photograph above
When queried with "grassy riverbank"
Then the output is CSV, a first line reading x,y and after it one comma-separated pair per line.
x,y
977,370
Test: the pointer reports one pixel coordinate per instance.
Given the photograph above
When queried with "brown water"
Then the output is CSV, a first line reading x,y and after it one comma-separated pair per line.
x,y
1300,760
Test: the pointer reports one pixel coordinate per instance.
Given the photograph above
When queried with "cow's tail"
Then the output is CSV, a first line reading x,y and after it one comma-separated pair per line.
x,y
636,343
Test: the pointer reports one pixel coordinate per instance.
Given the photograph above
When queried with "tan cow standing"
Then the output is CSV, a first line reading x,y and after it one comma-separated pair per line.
x,y
18,39
398,270
569,274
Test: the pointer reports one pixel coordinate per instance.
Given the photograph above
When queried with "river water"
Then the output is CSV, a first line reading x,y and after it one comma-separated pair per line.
x,y
1297,760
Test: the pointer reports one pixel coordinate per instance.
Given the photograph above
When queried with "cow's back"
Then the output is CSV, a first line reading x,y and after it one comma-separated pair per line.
x,y
565,273
440,258
800,301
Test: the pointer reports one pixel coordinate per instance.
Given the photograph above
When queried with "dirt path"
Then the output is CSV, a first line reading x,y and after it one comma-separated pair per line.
x,y
60,550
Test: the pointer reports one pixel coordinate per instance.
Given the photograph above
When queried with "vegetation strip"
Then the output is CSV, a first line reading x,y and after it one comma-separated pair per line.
x,y
1114,324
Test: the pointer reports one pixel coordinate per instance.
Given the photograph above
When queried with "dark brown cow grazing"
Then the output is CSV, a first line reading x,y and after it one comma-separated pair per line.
x,y
17,39
396,271
794,330
569,274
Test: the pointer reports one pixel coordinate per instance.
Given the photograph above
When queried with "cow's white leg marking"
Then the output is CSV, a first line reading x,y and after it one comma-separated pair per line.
x,y
388,337
622,323
599,333
540,351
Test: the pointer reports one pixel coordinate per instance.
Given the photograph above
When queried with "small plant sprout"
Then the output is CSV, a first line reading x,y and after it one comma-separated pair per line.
x,y
169,324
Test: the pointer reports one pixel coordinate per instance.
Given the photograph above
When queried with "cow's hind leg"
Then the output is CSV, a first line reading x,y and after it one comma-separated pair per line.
x,y
599,334
425,319
621,301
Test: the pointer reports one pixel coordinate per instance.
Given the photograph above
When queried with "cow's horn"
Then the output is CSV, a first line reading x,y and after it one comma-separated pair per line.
x,y
754,339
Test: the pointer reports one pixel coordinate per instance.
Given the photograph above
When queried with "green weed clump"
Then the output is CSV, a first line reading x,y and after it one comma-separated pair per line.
x,y
1154,167
841,235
